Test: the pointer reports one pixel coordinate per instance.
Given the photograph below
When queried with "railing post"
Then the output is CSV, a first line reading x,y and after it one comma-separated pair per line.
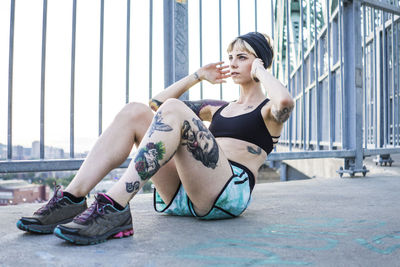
x,y
176,63
353,87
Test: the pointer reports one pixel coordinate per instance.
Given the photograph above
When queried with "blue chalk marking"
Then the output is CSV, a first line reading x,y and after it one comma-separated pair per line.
x,y
280,236
194,252
380,241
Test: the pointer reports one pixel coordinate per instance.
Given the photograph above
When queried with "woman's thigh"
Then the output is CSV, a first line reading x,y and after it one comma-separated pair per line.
x,y
201,164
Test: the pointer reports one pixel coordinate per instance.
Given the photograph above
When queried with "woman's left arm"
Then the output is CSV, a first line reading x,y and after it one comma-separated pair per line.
x,y
281,102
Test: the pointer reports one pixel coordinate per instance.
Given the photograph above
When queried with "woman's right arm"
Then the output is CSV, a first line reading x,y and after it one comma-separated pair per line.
x,y
213,73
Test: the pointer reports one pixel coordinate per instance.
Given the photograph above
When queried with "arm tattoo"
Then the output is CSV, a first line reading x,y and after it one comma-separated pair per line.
x,y
201,143
132,187
197,106
158,125
154,104
281,115
254,151
147,160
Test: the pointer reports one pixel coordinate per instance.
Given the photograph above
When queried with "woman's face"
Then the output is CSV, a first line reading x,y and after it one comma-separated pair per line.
x,y
240,65
205,141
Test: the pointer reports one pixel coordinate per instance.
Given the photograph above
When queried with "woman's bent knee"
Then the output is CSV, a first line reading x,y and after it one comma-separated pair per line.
x,y
173,106
135,111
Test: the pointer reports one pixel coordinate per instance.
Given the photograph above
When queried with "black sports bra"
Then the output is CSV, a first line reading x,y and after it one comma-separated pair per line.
x,y
248,127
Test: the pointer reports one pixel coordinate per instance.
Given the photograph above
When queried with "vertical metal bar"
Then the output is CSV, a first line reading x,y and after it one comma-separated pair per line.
x,y
316,74
365,79
101,68
303,94
341,71
72,99
309,111
330,102
238,7
353,80
128,40
273,33
393,68
255,15
375,84
398,84
201,41
10,79
151,51
384,75
220,42
43,78
288,67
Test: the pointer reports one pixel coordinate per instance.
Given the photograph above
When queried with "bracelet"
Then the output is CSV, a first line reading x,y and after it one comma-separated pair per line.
x,y
196,76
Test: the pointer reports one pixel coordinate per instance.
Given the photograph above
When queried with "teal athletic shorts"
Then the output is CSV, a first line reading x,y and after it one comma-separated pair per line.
x,y
231,202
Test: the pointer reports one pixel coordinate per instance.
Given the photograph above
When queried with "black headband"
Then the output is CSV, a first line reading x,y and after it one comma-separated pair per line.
x,y
260,45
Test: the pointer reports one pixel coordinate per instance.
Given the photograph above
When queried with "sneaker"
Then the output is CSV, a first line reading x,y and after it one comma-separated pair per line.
x,y
59,209
98,223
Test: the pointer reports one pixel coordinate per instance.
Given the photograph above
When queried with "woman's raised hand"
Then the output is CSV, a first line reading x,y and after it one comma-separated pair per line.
x,y
256,69
214,72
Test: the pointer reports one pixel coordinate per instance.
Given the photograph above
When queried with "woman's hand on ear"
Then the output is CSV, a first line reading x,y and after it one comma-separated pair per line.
x,y
214,73
256,69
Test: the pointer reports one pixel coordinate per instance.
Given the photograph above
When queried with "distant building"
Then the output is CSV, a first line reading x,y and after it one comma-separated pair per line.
x,y
3,151
14,192
35,152
18,152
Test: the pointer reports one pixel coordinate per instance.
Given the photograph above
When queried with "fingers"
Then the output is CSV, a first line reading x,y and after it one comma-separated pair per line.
x,y
218,63
224,72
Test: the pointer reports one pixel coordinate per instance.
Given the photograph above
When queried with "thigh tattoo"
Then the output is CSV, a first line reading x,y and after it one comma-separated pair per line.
x,y
147,159
201,143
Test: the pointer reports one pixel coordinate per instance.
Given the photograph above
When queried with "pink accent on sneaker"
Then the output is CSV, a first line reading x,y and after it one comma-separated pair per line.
x,y
109,199
119,235
123,233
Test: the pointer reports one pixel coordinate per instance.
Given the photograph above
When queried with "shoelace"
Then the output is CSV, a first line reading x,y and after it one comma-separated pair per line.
x,y
51,203
97,208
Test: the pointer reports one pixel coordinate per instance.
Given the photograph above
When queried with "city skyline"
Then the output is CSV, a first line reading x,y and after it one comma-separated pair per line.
x,y
24,153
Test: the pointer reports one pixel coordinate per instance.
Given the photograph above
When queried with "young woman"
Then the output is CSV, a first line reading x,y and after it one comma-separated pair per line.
x,y
200,172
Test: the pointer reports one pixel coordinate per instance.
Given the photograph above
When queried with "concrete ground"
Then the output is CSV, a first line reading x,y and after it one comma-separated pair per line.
x,y
320,222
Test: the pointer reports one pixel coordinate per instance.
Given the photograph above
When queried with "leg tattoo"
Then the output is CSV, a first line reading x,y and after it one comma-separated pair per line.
x,y
158,125
147,159
132,187
201,143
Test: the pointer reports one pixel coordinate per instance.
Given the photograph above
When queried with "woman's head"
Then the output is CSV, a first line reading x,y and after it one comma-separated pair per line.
x,y
256,44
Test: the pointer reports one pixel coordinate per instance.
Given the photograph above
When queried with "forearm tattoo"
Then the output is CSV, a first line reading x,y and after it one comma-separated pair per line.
x,y
281,115
256,151
147,160
197,106
158,125
132,187
155,104
201,143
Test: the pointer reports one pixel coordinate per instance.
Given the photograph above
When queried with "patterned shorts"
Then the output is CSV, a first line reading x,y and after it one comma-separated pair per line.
x,y
231,202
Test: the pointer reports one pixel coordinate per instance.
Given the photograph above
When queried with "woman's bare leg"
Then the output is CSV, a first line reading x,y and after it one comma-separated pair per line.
x,y
177,132
114,146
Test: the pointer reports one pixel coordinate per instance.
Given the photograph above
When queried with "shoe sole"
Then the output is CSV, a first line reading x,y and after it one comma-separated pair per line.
x,y
120,232
40,229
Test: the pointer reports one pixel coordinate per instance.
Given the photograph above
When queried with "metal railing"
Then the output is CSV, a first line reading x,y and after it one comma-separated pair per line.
x,y
345,85
352,111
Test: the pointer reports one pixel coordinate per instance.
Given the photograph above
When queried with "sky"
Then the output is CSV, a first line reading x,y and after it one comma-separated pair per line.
x,y
27,61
